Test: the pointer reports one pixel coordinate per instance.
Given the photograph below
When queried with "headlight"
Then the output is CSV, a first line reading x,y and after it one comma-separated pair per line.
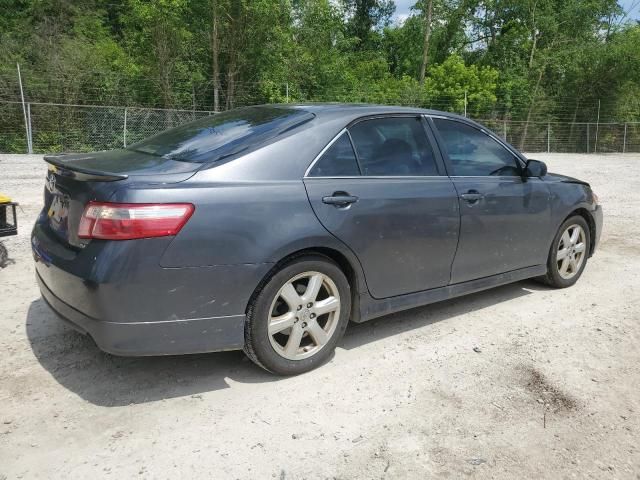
x,y
596,200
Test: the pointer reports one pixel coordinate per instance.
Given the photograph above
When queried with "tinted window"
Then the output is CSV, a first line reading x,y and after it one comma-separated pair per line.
x,y
394,146
223,134
337,161
473,153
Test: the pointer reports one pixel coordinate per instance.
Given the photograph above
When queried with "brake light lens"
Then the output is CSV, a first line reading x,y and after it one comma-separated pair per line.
x,y
127,221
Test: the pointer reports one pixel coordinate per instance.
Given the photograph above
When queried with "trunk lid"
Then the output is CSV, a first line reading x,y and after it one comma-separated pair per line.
x,y
75,179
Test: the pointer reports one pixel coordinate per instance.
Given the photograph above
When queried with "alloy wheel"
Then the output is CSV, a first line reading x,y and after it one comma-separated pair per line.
x,y
571,251
304,315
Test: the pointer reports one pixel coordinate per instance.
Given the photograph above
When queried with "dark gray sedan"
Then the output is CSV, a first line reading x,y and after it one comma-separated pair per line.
x,y
268,228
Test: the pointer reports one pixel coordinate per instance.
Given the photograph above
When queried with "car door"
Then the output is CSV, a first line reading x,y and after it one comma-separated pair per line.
x,y
381,188
504,218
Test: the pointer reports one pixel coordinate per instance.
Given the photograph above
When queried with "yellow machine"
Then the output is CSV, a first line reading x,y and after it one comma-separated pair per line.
x,y
8,225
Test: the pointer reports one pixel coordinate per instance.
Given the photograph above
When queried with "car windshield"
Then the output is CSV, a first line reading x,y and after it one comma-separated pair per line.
x,y
224,134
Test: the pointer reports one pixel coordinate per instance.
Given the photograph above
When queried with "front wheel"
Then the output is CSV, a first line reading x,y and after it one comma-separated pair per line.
x,y
298,317
568,254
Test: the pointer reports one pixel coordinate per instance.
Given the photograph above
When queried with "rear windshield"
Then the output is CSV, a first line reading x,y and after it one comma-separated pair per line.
x,y
224,134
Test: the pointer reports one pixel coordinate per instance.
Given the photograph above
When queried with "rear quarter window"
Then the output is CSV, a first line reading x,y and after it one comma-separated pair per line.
x,y
338,160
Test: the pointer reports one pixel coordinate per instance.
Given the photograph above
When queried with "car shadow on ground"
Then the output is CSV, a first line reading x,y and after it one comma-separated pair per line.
x,y
359,334
77,364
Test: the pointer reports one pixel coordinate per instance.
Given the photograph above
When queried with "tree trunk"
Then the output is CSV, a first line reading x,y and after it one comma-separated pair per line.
x,y
215,53
534,34
523,138
533,48
235,37
231,84
165,59
427,37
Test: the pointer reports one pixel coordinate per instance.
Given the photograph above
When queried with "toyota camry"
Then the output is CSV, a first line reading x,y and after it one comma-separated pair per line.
x,y
269,228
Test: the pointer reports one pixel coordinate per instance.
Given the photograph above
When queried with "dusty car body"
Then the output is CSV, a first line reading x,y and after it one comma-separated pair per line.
x,y
258,196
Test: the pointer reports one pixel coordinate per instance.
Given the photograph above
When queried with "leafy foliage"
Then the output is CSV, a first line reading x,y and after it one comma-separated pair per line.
x,y
519,59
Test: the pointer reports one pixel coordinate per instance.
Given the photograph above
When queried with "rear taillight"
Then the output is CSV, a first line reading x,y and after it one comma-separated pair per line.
x,y
126,221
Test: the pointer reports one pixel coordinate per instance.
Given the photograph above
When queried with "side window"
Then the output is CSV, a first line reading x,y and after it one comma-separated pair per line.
x,y
394,146
474,153
337,161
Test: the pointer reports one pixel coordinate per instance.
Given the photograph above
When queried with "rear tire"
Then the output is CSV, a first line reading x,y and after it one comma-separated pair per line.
x,y
4,256
298,316
568,254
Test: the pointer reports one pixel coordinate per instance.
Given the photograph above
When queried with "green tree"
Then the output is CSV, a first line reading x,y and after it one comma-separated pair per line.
x,y
366,18
452,82
158,39
530,60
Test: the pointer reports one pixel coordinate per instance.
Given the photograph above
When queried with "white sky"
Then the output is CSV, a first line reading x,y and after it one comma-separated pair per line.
x,y
403,8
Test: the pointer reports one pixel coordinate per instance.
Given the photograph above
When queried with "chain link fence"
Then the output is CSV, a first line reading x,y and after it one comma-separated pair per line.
x,y
568,137
81,128
51,128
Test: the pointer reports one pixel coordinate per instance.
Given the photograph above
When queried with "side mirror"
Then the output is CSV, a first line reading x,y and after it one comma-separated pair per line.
x,y
535,168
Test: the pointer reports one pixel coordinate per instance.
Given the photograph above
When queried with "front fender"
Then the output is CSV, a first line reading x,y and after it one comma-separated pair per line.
x,y
567,198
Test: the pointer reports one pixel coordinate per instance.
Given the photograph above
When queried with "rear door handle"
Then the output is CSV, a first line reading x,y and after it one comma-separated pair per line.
x,y
472,196
339,200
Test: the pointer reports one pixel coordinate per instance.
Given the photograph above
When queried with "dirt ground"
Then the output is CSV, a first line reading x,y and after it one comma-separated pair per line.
x,y
517,382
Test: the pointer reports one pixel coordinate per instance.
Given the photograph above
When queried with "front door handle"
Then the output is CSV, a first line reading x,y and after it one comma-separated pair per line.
x,y
472,196
339,199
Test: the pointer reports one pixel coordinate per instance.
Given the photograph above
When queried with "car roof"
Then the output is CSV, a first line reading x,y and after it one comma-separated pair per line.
x,y
351,111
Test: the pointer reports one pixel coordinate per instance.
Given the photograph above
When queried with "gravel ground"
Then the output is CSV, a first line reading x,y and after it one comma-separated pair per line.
x,y
517,382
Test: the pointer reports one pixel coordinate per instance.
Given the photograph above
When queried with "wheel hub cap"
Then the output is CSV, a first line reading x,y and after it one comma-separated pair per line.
x,y
571,251
304,315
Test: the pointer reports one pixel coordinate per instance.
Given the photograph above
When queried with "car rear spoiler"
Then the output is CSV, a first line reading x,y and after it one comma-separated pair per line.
x,y
67,168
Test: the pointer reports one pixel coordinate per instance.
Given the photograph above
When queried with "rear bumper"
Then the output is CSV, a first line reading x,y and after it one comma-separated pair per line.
x,y
117,293
170,337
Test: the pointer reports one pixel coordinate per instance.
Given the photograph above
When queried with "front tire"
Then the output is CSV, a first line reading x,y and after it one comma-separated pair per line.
x,y
569,253
298,316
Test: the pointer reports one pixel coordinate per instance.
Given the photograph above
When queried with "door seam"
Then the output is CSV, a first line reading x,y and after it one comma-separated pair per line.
x,y
455,187
364,277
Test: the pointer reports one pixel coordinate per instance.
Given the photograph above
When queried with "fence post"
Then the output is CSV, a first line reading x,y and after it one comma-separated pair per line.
x,y
548,137
29,130
124,129
504,130
24,109
465,103
595,146
624,139
587,137
287,90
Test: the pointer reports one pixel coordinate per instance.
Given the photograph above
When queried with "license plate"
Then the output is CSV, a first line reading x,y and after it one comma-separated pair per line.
x,y
58,212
